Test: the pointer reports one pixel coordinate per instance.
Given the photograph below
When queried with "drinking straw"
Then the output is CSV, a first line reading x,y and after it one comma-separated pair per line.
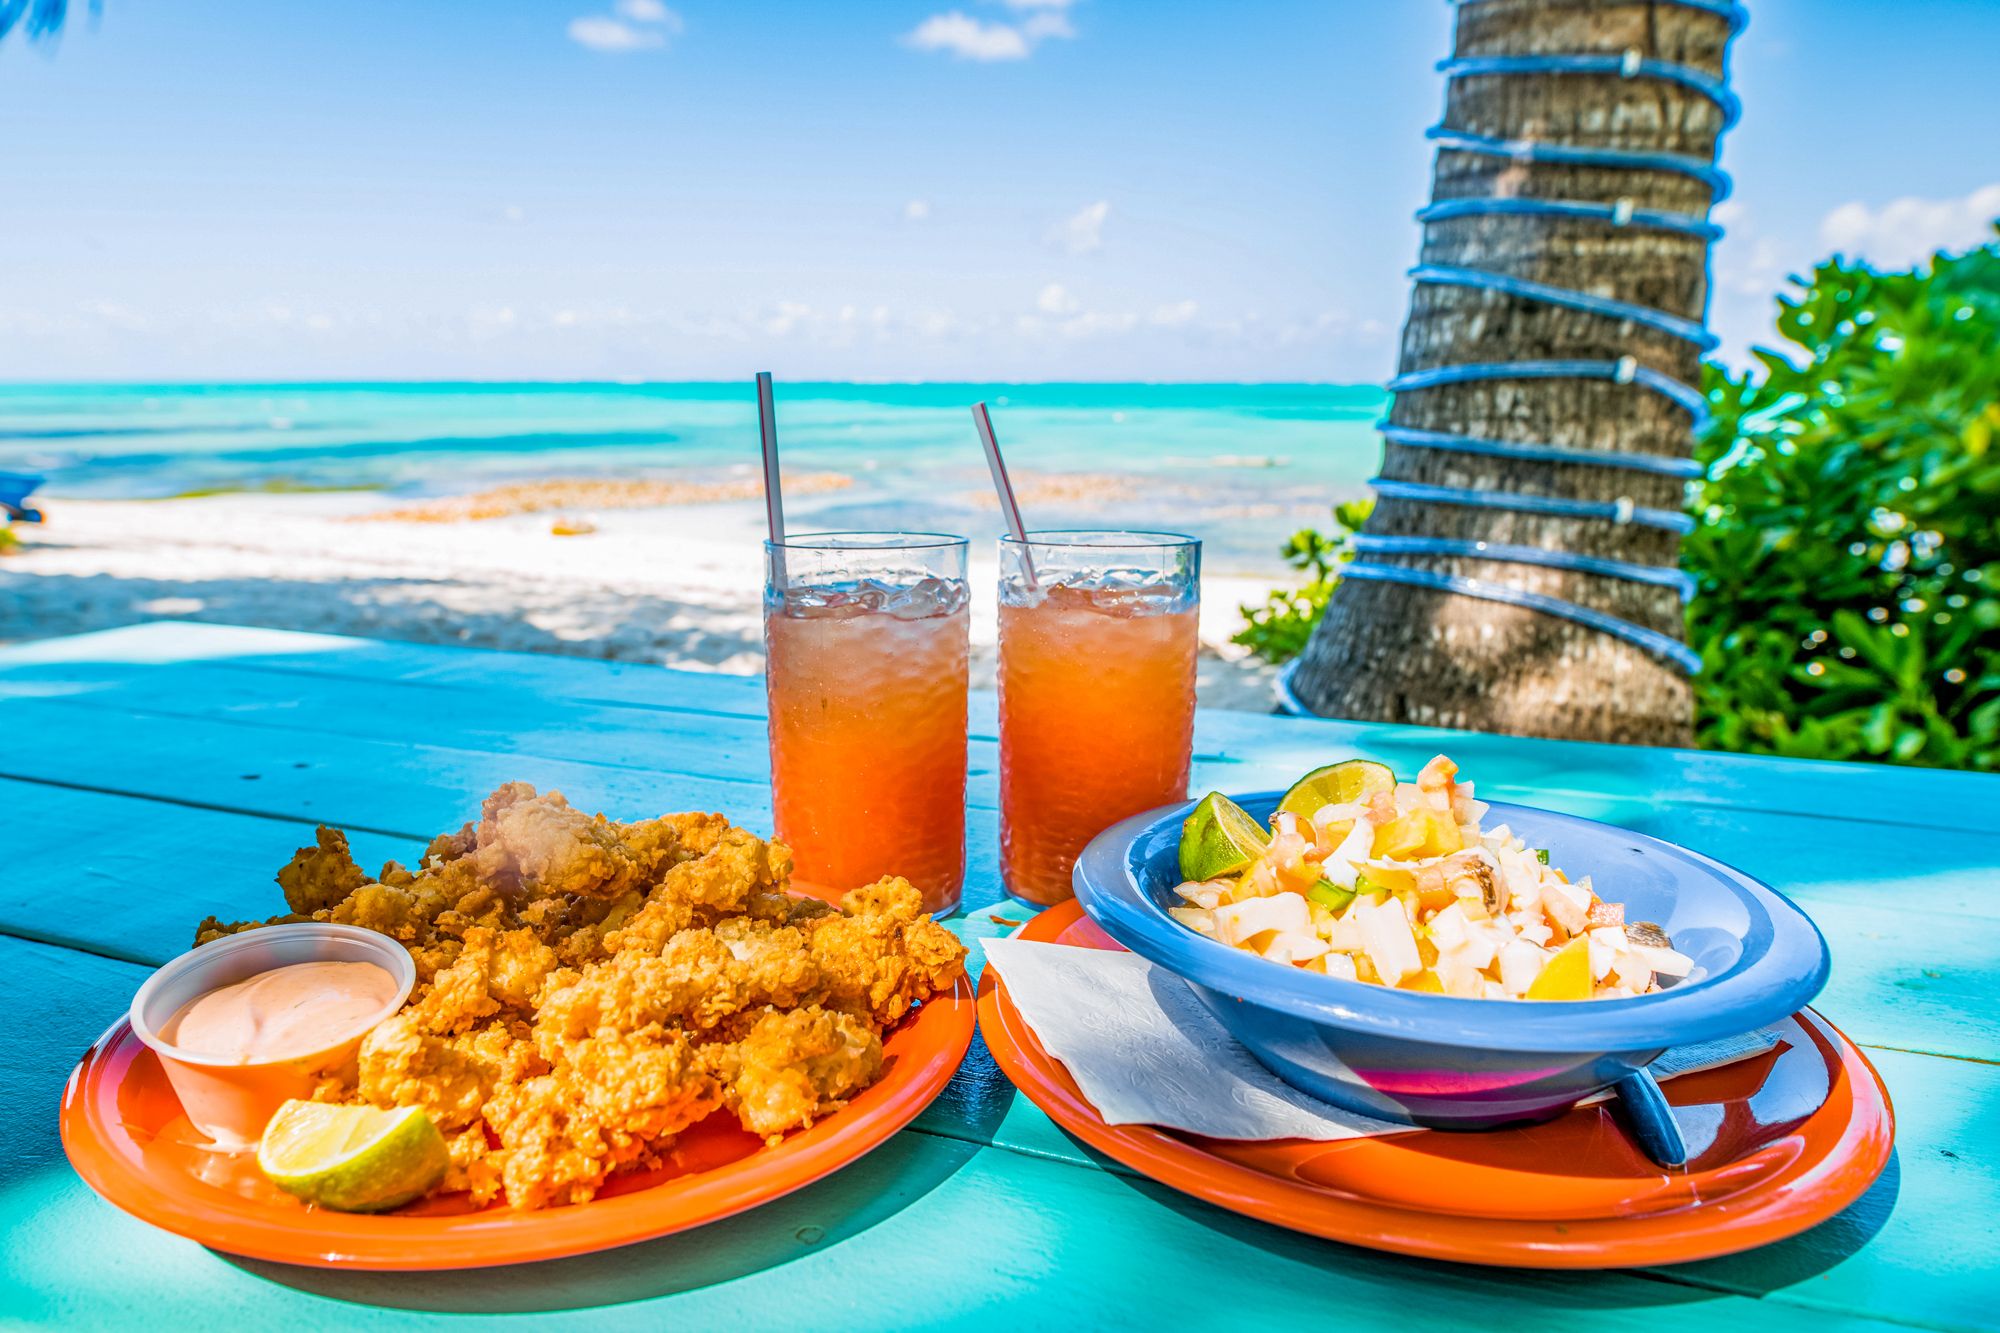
x,y
774,498
1009,507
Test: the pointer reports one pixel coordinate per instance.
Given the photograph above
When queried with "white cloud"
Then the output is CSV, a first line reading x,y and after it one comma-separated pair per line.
x,y
1048,23
116,314
917,210
1752,265
484,322
939,324
649,11
1055,300
1082,231
606,34
1096,323
640,25
790,315
1175,315
967,38
1909,230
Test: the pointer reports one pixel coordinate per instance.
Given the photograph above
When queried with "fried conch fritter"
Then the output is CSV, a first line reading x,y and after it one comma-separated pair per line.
x,y
587,989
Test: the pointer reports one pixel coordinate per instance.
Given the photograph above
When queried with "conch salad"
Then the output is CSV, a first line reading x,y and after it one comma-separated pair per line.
x,y
1397,883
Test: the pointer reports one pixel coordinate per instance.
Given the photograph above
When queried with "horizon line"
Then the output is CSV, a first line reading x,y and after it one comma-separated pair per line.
x,y
635,383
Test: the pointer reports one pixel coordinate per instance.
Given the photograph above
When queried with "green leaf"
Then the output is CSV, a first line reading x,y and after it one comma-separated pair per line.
x,y
1846,557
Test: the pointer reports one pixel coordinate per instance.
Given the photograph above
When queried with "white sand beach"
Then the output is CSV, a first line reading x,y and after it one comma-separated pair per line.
x,y
676,584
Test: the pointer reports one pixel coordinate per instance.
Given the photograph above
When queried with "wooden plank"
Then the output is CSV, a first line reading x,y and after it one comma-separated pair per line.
x,y
1784,849
717,745
1908,1237
136,895
1924,797
1922,1244
1796,853
403,788
1762,783
925,1231
1900,980
73,997
129,878
438,665
1887,987
1825,857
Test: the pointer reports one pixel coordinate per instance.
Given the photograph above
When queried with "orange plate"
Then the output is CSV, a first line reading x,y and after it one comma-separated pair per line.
x,y
126,1136
1781,1142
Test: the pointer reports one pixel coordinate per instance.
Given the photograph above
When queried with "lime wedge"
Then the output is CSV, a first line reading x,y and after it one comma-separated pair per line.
x,y
354,1159
1219,839
1337,784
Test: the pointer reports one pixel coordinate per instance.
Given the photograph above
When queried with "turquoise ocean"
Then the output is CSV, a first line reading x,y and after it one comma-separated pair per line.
x,y
1239,464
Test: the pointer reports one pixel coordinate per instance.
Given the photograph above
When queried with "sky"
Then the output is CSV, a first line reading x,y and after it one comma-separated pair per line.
x,y
870,190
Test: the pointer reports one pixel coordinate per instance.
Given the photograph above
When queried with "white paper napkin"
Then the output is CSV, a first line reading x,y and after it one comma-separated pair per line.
x,y
1145,1051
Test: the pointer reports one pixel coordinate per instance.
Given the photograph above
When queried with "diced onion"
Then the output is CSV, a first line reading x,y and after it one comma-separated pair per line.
x,y
1666,962
1387,939
1240,923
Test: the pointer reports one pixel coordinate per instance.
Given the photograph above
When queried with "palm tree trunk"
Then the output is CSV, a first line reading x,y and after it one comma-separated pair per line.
x,y
1387,651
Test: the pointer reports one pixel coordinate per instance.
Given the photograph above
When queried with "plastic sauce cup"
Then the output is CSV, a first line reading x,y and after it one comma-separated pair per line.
x,y
231,1101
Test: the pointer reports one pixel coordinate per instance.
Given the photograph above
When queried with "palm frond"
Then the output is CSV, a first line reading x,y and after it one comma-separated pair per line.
x,y
40,19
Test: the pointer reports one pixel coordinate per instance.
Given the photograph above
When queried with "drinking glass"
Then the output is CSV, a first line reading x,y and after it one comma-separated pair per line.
x,y
866,637
1098,632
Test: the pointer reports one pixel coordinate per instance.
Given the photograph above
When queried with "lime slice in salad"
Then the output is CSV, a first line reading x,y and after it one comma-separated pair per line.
x,y
1219,838
354,1159
1337,784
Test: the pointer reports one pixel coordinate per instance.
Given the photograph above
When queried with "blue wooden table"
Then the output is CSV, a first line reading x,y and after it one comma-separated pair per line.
x,y
149,776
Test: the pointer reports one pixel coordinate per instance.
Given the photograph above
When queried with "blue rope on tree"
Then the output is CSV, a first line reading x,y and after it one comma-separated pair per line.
x,y
1556,506
1446,275
1534,150
1729,9
1616,215
1630,65
1364,543
1623,371
1652,641
1657,464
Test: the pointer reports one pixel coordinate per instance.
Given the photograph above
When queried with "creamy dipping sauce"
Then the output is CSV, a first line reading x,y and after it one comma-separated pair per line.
x,y
286,1012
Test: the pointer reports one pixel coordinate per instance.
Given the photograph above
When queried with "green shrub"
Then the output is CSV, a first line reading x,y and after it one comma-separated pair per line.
x,y
1847,562
1277,631
1847,553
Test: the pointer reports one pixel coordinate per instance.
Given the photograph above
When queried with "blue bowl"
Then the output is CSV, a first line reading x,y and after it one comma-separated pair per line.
x,y
1452,1063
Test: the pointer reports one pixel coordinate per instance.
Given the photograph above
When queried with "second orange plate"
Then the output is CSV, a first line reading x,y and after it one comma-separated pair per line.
x,y
123,1129
1780,1142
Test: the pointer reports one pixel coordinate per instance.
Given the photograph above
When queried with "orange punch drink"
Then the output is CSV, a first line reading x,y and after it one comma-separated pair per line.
x,y
1097,655
865,635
